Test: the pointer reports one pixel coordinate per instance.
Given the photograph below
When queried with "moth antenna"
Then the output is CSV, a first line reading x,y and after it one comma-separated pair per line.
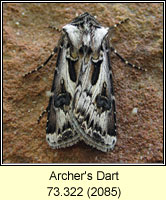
x,y
125,61
119,23
44,64
55,28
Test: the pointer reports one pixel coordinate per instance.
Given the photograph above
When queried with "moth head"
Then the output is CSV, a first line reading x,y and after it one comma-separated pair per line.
x,y
86,34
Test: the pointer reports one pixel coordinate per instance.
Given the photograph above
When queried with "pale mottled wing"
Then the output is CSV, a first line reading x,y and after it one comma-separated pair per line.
x,y
93,112
59,132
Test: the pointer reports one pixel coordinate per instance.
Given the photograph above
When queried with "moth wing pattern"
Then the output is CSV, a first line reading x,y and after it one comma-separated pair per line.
x,y
82,104
95,107
93,112
59,132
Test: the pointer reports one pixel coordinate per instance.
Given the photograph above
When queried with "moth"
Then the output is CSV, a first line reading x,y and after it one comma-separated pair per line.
x,y
82,102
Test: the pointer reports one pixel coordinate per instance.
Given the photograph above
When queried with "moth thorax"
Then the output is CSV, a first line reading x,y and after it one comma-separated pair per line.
x,y
86,40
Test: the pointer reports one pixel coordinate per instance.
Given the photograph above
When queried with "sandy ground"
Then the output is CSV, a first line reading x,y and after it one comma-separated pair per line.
x,y
27,42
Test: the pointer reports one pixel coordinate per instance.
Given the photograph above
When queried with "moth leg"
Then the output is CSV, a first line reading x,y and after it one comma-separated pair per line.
x,y
125,61
119,23
41,66
41,115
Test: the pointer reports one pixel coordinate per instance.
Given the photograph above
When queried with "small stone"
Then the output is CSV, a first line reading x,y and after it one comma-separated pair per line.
x,y
134,111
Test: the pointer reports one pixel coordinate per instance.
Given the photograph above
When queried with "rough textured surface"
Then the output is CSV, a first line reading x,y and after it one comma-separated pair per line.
x,y
27,42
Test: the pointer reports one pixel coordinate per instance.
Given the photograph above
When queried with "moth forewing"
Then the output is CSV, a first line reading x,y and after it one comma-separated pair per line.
x,y
95,110
59,132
